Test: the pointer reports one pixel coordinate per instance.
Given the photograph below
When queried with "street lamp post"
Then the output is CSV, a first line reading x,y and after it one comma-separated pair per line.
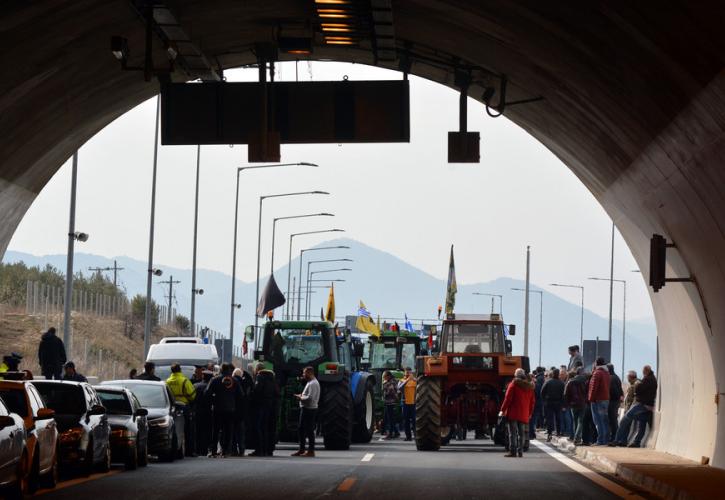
x,y
290,291
624,313
500,300
259,241
192,319
233,304
581,289
299,279
150,268
541,315
309,277
73,235
274,230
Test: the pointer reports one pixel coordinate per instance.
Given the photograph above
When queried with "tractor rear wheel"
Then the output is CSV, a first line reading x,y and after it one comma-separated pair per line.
x,y
336,415
364,427
428,414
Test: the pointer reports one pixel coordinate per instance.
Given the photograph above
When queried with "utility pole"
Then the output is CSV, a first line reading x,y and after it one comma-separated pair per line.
x,y
526,302
115,270
67,337
171,284
150,271
194,291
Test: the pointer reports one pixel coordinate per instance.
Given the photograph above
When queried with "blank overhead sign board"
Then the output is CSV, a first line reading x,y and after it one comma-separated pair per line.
x,y
302,112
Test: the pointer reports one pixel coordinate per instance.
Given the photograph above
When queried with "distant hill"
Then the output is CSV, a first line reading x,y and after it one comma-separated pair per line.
x,y
390,288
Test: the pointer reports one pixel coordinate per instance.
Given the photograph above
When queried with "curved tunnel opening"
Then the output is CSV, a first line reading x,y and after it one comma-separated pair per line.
x,y
651,158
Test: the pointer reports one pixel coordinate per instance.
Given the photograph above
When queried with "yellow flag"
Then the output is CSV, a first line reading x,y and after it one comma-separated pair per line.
x,y
364,322
330,314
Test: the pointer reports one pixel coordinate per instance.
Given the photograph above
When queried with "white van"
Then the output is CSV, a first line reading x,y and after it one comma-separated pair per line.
x,y
180,340
188,355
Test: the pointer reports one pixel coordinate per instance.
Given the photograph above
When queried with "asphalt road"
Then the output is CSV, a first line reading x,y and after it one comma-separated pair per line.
x,y
377,471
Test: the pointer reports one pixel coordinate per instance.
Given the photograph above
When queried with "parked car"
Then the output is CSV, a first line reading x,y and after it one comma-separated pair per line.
x,y
82,424
165,419
129,427
14,460
22,398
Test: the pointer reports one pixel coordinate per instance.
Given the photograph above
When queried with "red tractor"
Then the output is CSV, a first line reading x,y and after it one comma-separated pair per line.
x,y
462,387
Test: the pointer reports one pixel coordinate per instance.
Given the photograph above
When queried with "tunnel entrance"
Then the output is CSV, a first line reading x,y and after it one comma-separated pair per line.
x,y
633,104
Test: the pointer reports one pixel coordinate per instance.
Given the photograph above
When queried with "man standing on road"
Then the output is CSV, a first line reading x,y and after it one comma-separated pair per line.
x,y
202,410
553,395
309,400
148,372
616,395
599,398
406,388
575,395
264,397
390,399
644,400
51,355
71,374
517,407
224,393
574,356
184,395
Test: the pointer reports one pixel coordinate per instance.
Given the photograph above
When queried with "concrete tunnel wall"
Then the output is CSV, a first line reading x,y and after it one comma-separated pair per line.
x,y
634,105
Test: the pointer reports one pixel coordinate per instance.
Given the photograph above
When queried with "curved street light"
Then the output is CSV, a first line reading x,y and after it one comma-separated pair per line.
x,y
299,282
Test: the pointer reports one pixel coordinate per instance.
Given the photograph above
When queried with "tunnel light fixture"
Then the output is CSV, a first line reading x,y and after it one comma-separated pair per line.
x,y
332,2
339,42
336,28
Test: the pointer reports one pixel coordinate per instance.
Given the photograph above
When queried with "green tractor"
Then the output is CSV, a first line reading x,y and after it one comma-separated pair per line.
x,y
286,347
392,351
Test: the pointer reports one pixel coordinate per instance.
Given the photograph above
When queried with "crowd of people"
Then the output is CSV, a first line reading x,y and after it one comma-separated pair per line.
x,y
580,404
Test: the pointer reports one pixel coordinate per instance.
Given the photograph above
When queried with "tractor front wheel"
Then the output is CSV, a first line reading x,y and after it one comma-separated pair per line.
x,y
336,415
364,427
428,414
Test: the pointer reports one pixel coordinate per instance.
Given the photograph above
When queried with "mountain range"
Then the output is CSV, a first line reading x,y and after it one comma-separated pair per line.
x,y
390,288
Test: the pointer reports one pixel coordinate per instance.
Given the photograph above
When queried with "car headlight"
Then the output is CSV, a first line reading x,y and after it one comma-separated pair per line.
x,y
71,435
160,422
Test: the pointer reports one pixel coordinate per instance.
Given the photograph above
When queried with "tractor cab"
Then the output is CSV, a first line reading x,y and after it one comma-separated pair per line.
x,y
393,351
476,334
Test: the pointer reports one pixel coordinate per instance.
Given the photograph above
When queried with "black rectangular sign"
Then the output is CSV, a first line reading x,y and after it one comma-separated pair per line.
x,y
302,112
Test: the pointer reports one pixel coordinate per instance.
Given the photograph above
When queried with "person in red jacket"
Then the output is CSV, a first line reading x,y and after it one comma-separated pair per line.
x,y
599,398
518,407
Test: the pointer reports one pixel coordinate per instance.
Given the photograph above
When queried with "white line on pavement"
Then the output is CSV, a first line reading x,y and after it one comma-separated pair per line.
x,y
593,476
367,457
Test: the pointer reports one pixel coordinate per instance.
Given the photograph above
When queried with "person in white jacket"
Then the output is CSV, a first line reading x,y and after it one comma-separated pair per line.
x,y
309,400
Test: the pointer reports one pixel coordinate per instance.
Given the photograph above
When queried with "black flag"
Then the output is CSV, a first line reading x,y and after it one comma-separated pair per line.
x,y
271,299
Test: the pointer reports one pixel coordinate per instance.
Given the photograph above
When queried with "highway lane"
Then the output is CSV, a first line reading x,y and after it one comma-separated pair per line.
x,y
379,470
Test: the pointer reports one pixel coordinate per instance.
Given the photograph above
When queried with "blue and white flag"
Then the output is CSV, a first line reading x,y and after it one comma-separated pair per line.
x,y
408,324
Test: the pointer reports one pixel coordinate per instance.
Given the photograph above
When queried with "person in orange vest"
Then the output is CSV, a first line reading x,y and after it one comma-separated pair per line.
x,y
406,387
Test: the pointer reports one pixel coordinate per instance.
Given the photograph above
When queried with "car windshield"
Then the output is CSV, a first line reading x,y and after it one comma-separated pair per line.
x,y
65,399
473,338
14,399
116,403
296,346
149,395
383,355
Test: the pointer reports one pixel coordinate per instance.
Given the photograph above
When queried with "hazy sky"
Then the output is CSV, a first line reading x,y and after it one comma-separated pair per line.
x,y
401,198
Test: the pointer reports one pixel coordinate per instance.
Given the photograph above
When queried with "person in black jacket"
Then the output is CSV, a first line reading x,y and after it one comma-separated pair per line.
x,y
244,380
149,369
264,398
553,395
616,396
223,392
641,411
202,410
51,355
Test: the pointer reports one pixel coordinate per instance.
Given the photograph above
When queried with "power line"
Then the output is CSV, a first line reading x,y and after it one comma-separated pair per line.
x,y
115,270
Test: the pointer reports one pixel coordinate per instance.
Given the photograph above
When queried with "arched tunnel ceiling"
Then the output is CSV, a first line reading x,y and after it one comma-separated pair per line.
x,y
612,75
634,104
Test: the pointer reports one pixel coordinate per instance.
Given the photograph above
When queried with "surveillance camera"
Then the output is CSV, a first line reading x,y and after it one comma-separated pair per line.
x,y
201,291
82,237
157,272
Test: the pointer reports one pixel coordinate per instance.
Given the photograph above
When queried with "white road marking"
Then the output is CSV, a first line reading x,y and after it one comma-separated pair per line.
x,y
593,476
367,457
